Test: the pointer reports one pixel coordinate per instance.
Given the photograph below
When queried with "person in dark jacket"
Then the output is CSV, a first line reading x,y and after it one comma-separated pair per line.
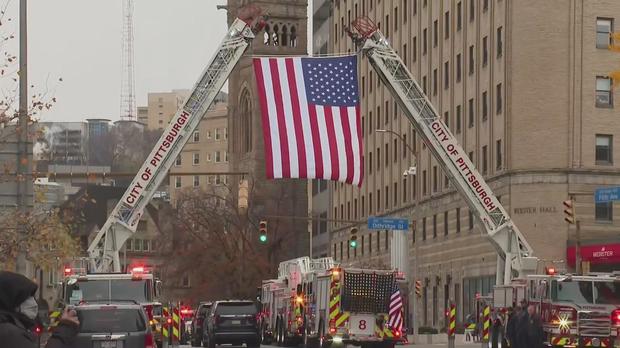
x,y
18,313
535,333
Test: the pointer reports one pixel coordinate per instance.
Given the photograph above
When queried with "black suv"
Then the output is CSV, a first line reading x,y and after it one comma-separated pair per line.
x,y
199,322
234,322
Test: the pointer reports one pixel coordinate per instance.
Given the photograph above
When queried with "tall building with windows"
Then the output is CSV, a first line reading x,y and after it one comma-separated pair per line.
x,y
161,107
524,86
205,152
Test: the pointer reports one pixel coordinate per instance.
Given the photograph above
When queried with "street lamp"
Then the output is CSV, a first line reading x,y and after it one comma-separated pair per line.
x,y
412,168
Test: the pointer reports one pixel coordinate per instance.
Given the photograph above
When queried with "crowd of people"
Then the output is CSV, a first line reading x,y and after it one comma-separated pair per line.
x,y
519,327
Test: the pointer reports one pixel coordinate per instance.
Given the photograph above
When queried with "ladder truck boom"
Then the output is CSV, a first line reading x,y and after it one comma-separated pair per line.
x,y
515,254
123,220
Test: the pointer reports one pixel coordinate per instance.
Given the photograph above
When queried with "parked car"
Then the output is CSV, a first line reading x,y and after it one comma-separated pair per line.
x,y
198,321
233,322
113,325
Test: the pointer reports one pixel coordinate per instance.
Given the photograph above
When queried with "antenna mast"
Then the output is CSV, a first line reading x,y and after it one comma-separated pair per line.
x,y
128,111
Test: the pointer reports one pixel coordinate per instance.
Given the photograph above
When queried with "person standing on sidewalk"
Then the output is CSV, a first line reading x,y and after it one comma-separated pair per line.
x,y
535,333
18,313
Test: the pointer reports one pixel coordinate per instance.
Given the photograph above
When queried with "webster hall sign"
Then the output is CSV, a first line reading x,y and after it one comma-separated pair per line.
x,y
535,210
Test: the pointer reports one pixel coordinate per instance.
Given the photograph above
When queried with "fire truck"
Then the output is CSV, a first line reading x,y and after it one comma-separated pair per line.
x,y
318,303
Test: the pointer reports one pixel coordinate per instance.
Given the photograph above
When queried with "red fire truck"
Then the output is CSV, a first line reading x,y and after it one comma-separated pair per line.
x,y
319,304
577,311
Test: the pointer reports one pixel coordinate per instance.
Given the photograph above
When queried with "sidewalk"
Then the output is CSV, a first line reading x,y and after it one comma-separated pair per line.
x,y
440,340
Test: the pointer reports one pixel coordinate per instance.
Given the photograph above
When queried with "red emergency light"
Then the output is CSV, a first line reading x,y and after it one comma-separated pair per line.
x,y
551,271
139,269
68,271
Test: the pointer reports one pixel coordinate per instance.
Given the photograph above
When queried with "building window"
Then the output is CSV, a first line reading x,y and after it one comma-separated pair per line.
x,y
446,119
459,15
424,84
208,134
485,5
446,19
387,25
446,75
604,27
404,190
604,146
178,160
370,162
378,240
471,113
395,19
414,48
435,33
435,82
405,14
423,228
405,149
471,220
378,200
485,106
498,154
435,179
471,58
217,134
458,220
414,7
196,136
387,197
363,206
395,194
129,244
196,158
369,122
378,158
445,223
603,92
387,112
196,181
225,133
458,67
484,160
137,245
395,150
500,42
604,211
355,211
185,282
226,156
471,10
370,211
218,157
485,50
424,41
424,182
434,226
498,96
378,116
458,119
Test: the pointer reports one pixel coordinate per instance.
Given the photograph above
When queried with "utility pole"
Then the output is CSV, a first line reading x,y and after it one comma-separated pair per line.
x,y
23,148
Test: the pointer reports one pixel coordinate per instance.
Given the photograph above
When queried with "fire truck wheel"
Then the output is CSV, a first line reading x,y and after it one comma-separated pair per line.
x,y
210,343
278,332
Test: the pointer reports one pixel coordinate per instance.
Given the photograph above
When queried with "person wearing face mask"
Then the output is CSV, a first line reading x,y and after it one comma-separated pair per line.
x,y
18,312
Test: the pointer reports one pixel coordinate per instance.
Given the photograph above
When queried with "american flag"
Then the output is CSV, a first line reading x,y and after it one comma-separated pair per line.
x,y
311,118
395,319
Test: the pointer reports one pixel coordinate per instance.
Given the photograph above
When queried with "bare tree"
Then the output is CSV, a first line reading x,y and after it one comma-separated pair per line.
x,y
217,244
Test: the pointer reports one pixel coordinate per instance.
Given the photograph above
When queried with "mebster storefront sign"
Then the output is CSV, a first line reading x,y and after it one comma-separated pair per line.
x,y
595,254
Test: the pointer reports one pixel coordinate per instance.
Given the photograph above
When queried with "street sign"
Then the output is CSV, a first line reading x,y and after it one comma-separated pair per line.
x,y
607,194
375,223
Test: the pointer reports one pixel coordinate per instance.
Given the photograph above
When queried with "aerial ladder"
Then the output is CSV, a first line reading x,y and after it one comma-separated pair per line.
x,y
515,254
122,223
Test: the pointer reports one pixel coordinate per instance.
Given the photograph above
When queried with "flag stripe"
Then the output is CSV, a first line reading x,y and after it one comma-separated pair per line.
x,y
333,145
299,132
348,146
318,146
273,121
358,150
325,147
265,117
277,90
288,118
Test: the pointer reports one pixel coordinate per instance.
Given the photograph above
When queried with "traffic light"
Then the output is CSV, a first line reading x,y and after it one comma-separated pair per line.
x,y
353,238
569,211
262,231
418,288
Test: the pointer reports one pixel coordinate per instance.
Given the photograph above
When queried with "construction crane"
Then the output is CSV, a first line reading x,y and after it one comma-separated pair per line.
x,y
515,254
122,222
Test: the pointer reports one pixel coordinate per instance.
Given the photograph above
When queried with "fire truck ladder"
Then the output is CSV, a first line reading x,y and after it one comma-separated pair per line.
x,y
515,254
122,222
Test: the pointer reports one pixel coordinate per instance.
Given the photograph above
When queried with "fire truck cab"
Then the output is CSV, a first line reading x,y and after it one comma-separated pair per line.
x,y
577,311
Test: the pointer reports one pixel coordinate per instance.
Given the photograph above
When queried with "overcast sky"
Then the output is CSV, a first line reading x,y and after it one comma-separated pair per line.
x,y
80,41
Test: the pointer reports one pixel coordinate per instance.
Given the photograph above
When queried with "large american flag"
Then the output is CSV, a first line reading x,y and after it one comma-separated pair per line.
x,y
311,118
395,318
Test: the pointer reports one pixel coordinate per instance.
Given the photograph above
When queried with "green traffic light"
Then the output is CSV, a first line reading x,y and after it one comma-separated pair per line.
x,y
262,238
353,244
